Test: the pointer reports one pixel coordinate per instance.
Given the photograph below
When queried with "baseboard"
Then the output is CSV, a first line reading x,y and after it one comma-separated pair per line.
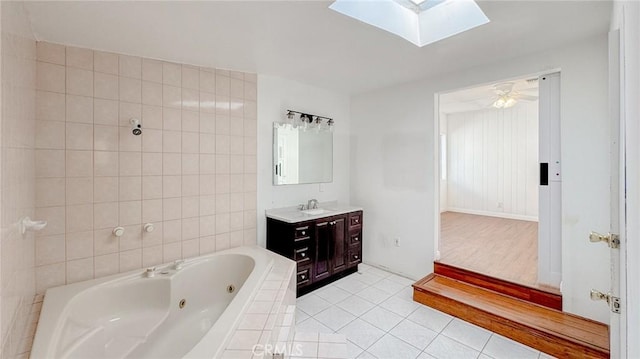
x,y
519,217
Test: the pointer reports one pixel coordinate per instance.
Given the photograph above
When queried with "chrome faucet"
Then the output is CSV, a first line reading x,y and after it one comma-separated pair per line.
x,y
177,265
150,272
314,202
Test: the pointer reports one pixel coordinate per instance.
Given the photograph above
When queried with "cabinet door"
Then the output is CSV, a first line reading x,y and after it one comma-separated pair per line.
x,y
322,256
339,244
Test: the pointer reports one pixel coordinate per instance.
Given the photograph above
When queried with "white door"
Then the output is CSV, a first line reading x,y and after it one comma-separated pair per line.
x,y
550,187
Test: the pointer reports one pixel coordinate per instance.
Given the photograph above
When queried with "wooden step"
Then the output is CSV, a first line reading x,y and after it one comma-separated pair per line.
x,y
547,297
551,331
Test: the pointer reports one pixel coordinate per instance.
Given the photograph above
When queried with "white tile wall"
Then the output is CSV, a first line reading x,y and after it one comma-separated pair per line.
x,y
192,172
17,179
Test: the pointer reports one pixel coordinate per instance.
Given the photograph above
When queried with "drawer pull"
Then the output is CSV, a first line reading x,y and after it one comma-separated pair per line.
x,y
355,239
355,257
303,233
302,277
303,254
355,220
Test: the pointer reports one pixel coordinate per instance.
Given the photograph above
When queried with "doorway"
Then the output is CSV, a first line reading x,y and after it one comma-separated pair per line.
x,y
492,141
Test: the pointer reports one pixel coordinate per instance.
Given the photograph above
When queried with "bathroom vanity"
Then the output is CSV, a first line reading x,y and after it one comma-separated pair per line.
x,y
325,243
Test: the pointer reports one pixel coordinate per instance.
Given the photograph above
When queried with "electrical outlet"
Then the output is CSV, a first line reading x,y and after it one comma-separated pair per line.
x,y
396,242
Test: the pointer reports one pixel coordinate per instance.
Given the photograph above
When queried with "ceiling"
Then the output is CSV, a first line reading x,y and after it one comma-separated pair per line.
x,y
482,97
307,42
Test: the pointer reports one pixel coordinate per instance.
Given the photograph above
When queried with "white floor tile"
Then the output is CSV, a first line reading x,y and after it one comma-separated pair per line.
x,y
353,350
332,350
467,334
374,295
401,280
368,278
443,347
367,355
405,294
382,318
312,325
334,318
389,286
379,272
546,356
356,305
399,306
425,356
332,294
414,334
351,284
389,347
304,350
301,336
333,338
363,267
500,347
361,333
312,304
301,316
430,318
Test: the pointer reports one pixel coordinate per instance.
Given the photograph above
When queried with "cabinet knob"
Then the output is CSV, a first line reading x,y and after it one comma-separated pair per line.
x,y
303,254
356,220
355,239
356,257
303,233
302,277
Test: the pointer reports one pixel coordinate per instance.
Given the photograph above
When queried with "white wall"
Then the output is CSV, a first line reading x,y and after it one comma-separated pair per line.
x,y
492,160
393,165
275,96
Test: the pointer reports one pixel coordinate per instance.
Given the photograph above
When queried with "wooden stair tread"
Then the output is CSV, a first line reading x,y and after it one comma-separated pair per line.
x,y
566,326
542,295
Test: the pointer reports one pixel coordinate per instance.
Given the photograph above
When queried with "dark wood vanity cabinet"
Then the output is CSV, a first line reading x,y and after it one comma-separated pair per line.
x,y
325,249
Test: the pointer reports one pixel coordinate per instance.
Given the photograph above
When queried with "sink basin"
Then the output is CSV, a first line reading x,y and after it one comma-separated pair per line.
x,y
315,211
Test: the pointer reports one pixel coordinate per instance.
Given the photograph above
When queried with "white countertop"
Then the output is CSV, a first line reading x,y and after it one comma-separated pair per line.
x,y
293,214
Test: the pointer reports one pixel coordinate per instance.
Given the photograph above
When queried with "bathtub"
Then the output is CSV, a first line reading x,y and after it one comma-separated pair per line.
x,y
190,312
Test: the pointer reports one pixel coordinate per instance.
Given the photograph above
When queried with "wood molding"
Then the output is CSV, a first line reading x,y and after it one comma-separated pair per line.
x,y
520,217
548,297
553,332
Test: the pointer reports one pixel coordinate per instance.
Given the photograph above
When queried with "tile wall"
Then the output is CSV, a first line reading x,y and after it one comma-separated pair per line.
x,y
192,172
17,179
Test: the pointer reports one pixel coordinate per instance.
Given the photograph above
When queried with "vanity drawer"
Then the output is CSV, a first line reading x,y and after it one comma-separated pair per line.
x,y
302,232
355,239
303,275
355,219
355,256
302,255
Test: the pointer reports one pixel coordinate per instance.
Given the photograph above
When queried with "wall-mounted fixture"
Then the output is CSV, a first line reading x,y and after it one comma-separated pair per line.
x,y
136,127
306,121
26,224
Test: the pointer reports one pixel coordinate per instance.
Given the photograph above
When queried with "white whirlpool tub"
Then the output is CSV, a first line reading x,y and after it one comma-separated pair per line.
x,y
189,312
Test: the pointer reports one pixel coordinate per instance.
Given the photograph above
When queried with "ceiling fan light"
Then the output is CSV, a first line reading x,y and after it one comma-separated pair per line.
x,y
510,102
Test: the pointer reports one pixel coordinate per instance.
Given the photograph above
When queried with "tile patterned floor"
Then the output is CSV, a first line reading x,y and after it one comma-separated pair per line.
x,y
374,309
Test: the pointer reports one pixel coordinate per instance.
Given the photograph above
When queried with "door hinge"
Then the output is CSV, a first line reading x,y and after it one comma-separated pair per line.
x,y
613,240
613,301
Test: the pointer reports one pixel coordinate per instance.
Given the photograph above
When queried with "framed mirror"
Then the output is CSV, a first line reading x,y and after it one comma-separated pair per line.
x,y
301,154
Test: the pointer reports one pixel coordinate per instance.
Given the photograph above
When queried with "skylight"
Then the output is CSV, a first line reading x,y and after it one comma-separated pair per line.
x,y
420,22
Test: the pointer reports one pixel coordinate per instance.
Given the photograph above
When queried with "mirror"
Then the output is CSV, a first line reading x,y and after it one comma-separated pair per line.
x,y
302,155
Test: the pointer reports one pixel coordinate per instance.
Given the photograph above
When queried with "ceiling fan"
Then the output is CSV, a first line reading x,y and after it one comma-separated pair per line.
x,y
506,96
